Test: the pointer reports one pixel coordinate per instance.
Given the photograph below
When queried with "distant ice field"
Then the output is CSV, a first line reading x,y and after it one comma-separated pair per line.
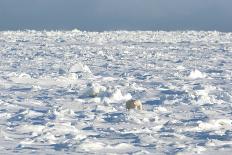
x,y
64,92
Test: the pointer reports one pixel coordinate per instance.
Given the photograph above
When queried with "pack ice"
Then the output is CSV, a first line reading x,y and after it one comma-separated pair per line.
x,y
64,92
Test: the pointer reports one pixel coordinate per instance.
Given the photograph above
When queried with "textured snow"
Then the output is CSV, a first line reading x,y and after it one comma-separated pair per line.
x,y
196,74
64,92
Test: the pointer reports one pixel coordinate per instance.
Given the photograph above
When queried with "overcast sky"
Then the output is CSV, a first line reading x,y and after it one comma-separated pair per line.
x,y
102,15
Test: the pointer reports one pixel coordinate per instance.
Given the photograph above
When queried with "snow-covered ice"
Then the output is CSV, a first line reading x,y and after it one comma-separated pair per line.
x,y
64,92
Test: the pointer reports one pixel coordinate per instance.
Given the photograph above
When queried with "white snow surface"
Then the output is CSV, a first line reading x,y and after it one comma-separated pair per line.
x,y
64,92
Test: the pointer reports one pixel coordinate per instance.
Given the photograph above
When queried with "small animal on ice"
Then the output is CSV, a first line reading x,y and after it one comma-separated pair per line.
x,y
134,104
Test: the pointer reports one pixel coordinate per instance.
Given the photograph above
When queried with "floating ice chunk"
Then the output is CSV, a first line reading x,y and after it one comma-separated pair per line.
x,y
157,127
79,67
193,150
196,74
27,141
117,96
72,76
24,76
47,137
94,89
119,147
162,109
136,120
199,149
204,95
92,146
76,31
63,113
61,127
108,95
31,114
136,87
180,67
5,115
30,128
95,100
216,124
101,53
36,87
1,102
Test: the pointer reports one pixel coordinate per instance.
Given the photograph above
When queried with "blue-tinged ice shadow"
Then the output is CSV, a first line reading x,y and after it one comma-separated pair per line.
x,y
141,76
115,117
19,117
43,96
173,92
62,147
210,71
207,135
133,138
21,147
80,114
20,89
65,92
67,146
194,121
155,102
40,120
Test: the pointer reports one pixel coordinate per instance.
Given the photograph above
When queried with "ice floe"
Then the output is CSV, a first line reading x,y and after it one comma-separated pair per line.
x,y
65,92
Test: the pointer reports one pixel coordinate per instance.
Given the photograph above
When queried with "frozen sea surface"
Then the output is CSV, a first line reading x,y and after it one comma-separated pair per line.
x,y
64,92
